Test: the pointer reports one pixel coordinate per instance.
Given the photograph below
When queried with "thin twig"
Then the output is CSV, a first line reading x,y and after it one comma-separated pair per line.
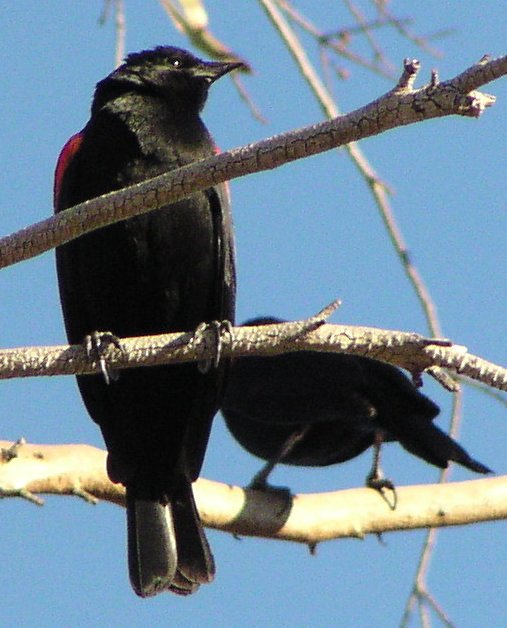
x,y
421,42
419,590
363,25
120,27
121,32
247,99
370,25
375,184
485,390
324,40
104,16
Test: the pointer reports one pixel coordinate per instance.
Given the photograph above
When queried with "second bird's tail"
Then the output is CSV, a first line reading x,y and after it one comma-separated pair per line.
x,y
426,440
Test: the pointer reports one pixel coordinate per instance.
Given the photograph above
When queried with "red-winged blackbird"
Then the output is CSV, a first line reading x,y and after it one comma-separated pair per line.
x,y
168,270
317,409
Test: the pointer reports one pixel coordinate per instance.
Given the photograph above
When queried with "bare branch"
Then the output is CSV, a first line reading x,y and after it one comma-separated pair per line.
x,y
309,519
407,350
400,106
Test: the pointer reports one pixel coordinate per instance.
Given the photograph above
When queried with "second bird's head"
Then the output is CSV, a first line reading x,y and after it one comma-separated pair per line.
x,y
168,71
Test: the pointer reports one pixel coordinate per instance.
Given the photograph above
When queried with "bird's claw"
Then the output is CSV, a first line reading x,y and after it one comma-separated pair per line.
x,y
260,483
379,483
260,479
96,345
219,329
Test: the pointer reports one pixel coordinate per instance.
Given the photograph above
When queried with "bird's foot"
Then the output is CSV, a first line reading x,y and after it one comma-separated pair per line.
x,y
96,346
381,484
259,482
218,329
266,487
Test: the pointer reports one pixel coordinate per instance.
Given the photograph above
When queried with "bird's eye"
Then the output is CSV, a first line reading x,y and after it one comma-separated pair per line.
x,y
176,63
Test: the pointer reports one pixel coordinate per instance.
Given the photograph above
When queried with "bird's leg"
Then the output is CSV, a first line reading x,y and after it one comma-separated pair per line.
x,y
96,345
260,479
219,329
375,478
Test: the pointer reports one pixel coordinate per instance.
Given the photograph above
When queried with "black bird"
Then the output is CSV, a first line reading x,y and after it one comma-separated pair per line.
x,y
317,409
168,270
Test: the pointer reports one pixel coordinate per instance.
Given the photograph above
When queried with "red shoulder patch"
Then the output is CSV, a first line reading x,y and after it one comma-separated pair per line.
x,y
67,153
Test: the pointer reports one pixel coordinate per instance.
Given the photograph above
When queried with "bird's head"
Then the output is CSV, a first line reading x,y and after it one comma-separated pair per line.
x,y
166,71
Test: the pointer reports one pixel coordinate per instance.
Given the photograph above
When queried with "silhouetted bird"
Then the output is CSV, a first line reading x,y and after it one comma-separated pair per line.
x,y
317,409
167,270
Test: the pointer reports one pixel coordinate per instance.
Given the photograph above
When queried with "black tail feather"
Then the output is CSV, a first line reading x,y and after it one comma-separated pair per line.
x,y
181,586
432,444
195,560
152,553
167,547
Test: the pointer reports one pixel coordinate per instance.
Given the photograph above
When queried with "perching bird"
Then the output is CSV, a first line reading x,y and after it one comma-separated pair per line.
x,y
167,270
317,409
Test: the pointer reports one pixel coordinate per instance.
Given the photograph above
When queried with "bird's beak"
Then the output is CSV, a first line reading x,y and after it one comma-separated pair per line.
x,y
213,70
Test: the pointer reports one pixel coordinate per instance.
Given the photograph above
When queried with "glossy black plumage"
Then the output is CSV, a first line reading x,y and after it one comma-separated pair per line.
x,y
338,404
168,270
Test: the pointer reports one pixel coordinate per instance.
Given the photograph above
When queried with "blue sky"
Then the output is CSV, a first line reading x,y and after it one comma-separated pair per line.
x,y
306,234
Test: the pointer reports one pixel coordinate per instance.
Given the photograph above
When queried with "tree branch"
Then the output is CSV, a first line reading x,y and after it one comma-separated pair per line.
x,y
401,106
407,350
80,470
